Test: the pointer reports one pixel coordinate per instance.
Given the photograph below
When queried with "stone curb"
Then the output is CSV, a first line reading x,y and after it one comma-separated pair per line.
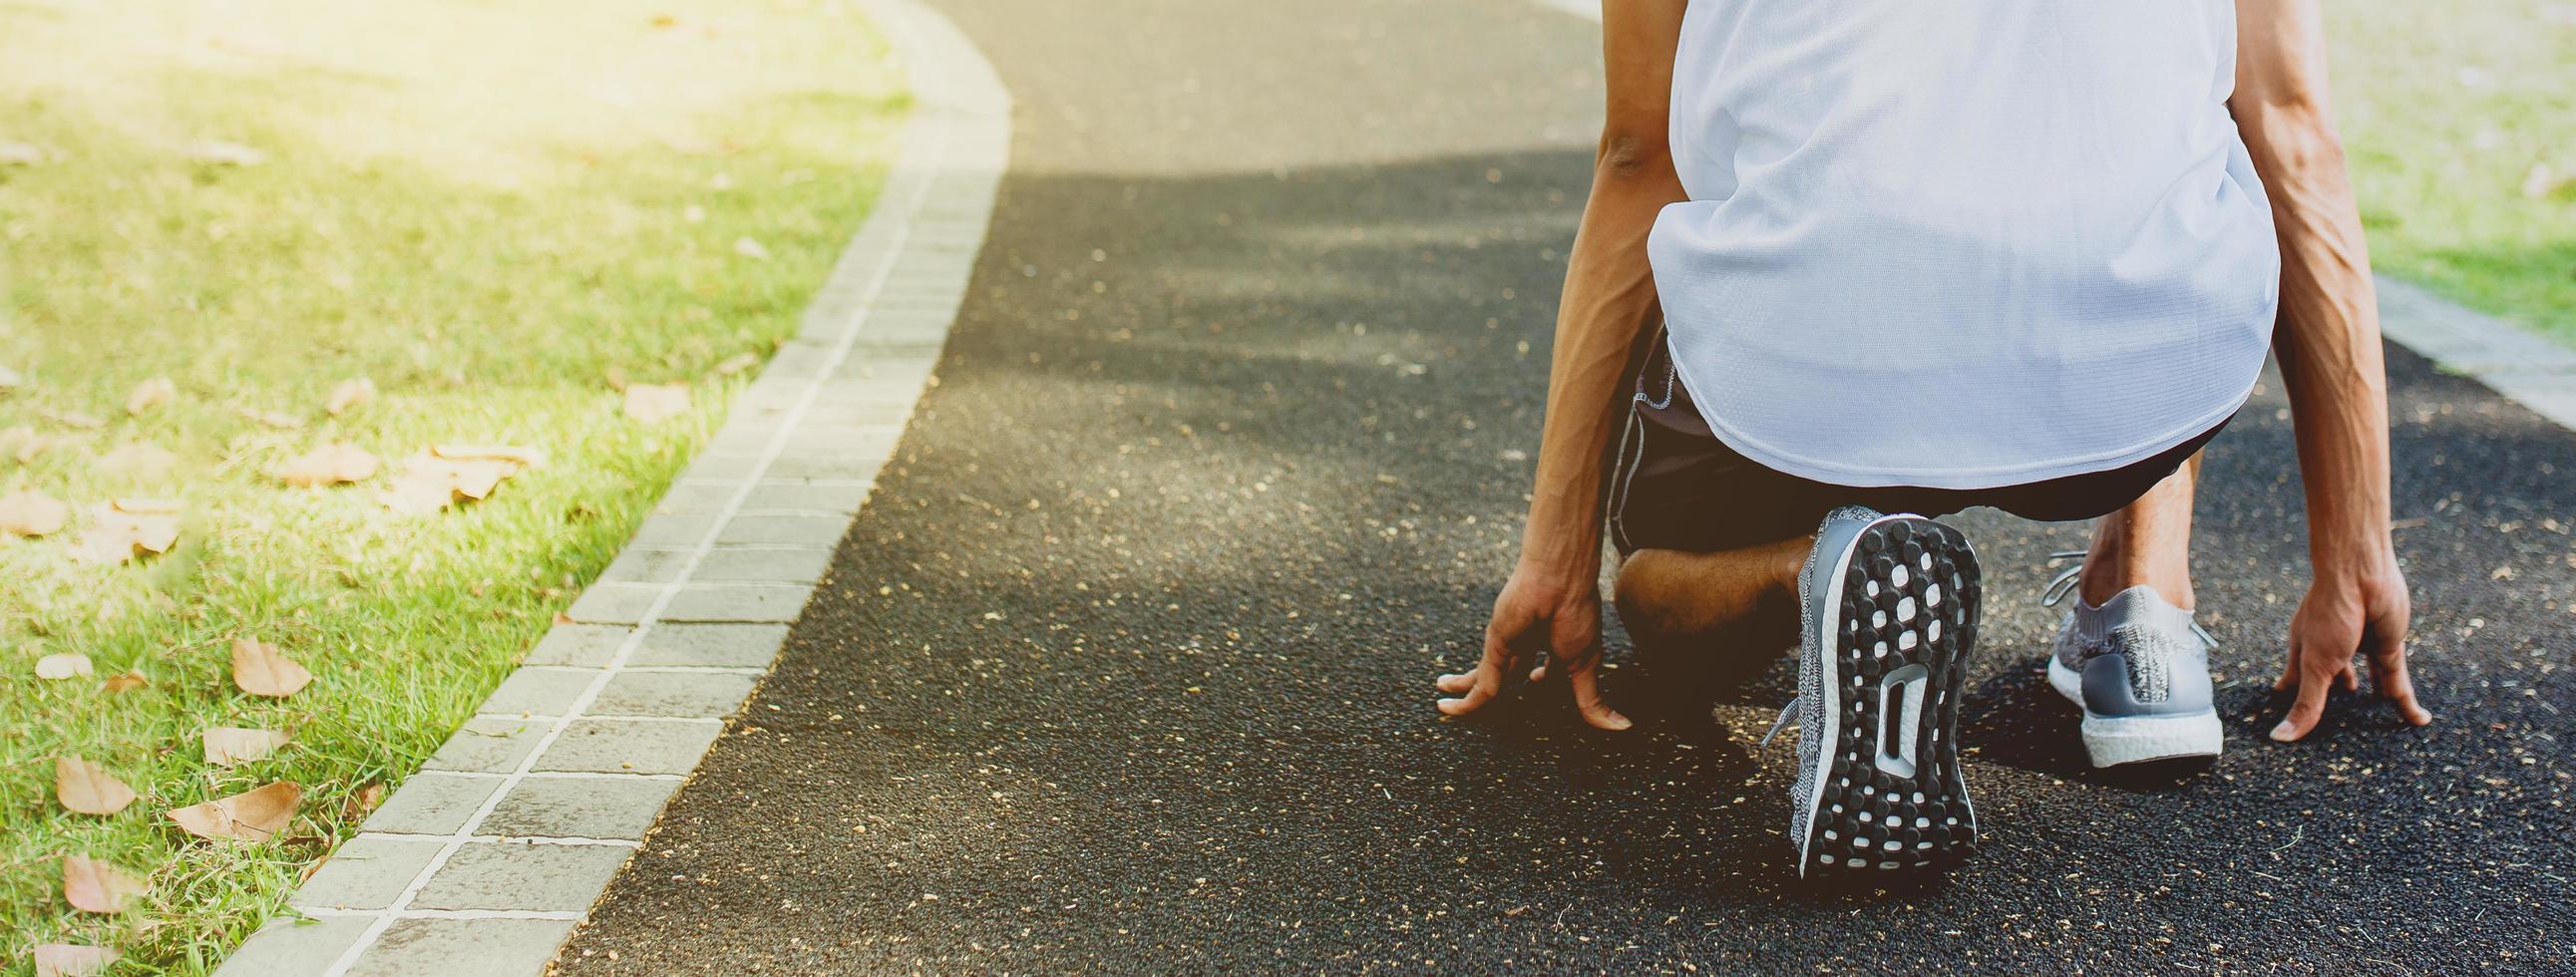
x,y
483,862
2527,369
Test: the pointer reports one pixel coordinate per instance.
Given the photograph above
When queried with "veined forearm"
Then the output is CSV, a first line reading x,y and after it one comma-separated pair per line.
x,y
1608,304
2328,343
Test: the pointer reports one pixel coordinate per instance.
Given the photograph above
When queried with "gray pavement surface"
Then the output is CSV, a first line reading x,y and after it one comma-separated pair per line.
x,y
1126,664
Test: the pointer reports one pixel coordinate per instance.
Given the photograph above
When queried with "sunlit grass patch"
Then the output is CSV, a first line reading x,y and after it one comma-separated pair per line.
x,y
483,208
2462,136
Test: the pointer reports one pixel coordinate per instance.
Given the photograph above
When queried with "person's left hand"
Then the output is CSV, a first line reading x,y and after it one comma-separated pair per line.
x,y
2361,608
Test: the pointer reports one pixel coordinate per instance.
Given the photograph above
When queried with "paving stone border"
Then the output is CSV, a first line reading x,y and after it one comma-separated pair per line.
x,y
2527,369
486,859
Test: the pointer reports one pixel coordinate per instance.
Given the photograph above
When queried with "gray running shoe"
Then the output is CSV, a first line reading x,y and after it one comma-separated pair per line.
x,y
1890,615
2139,668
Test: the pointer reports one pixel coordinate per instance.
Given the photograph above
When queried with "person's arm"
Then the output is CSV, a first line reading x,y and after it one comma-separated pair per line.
x,y
1553,600
2327,342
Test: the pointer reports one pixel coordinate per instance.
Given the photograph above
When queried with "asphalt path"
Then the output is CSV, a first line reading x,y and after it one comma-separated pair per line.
x,y
1127,666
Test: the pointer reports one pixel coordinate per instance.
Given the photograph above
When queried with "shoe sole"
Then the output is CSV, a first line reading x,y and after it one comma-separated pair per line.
x,y
2114,740
1902,607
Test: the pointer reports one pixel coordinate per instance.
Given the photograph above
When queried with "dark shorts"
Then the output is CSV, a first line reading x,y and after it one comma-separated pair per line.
x,y
1677,487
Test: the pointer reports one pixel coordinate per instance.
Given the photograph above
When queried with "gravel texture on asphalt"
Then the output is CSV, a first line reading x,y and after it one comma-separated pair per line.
x,y
1127,664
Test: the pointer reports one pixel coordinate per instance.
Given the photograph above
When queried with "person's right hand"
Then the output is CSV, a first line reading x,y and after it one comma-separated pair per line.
x,y
2364,609
1542,619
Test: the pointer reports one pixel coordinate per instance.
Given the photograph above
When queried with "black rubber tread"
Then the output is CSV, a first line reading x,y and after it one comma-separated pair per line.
x,y
1864,808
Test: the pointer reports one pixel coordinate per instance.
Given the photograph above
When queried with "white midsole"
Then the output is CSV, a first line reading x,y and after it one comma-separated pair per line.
x,y
2114,740
1830,681
2067,681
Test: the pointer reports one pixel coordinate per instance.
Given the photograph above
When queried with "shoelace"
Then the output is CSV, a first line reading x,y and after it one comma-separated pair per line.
x,y
2068,579
1778,724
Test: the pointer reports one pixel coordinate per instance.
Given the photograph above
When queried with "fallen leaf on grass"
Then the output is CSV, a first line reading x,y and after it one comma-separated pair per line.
x,y
363,802
227,745
261,670
72,418
428,483
349,395
616,377
62,666
331,464
93,886
127,528
224,152
139,461
737,363
14,153
522,457
68,960
270,418
10,381
653,403
150,394
127,682
749,248
87,788
253,815
27,512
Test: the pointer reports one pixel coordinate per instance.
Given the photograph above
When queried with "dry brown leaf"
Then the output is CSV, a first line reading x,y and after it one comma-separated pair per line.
x,y
260,669
68,960
253,815
140,461
127,682
87,788
363,802
72,418
22,444
150,394
653,403
128,528
419,491
349,395
616,377
428,483
270,418
93,886
69,664
737,363
27,512
331,464
523,457
228,745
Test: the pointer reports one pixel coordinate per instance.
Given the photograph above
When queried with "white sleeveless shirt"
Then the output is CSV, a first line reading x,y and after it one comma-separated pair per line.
x,y
1962,243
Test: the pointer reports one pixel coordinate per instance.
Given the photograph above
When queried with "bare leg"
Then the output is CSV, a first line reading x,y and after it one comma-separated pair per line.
x,y
2148,543
1725,612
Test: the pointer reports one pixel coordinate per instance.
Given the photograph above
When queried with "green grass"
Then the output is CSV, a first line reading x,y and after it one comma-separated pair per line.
x,y
481,205
2445,109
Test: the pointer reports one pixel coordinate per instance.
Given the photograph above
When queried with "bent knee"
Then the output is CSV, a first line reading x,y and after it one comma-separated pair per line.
x,y
1652,601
